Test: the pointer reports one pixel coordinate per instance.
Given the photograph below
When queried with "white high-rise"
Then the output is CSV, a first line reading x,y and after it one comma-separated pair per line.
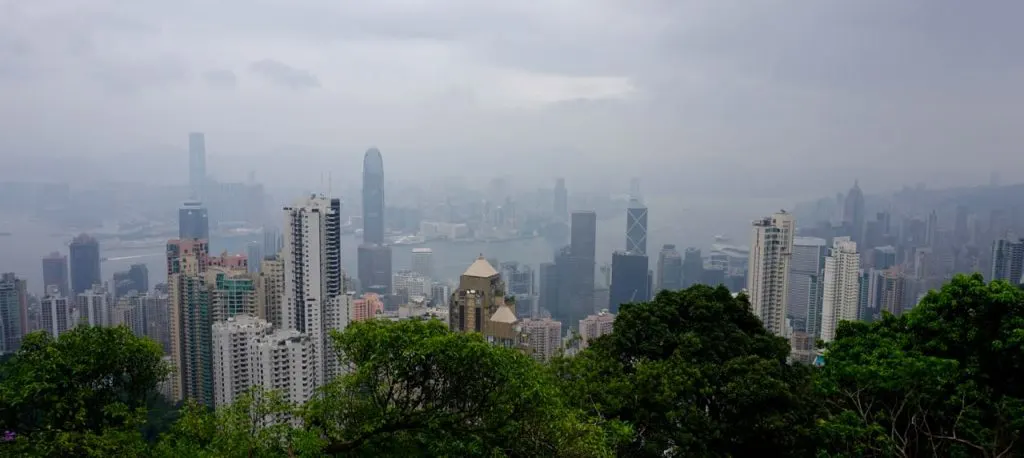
x,y
423,262
233,352
312,262
285,361
412,283
55,313
94,306
771,248
842,286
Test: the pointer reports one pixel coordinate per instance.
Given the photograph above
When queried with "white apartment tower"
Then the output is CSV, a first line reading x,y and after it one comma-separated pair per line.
x,y
285,361
94,306
234,349
312,277
842,286
768,270
55,313
544,337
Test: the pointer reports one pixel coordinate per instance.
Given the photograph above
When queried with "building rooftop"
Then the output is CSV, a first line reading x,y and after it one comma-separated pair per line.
x,y
504,315
480,269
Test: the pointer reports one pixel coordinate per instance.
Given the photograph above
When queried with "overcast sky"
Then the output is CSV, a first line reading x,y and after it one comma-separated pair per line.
x,y
752,96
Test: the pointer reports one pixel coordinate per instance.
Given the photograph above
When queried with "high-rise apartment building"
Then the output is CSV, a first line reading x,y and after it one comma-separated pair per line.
x,y
771,249
13,312
232,292
234,354
1007,260
636,227
313,275
670,269
285,361
94,307
131,312
543,338
631,279
423,262
85,263
190,320
193,221
894,291
841,286
271,291
55,272
408,284
595,326
806,287
197,165
55,315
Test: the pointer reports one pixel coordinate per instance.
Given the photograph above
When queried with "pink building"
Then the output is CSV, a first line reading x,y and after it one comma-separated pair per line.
x,y
367,307
230,261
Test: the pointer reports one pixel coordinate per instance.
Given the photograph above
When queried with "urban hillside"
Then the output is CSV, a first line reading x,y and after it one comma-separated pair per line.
x,y
690,373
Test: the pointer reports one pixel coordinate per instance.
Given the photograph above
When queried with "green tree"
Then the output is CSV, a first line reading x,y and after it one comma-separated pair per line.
x,y
416,389
258,424
941,380
694,373
82,394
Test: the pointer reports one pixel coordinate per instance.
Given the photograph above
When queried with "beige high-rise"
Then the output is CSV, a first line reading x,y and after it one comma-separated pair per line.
x,y
771,247
842,286
478,305
270,290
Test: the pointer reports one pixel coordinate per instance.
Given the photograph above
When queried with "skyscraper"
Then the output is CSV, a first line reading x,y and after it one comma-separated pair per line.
x,y
479,296
85,263
841,286
805,284
768,271
285,361
193,222
197,165
373,197
853,212
636,227
375,268
188,317
94,307
578,274
55,272
547,300
1007,260
423,262
55,313
693,268
13,312
631,279
670,269
561,200
313,282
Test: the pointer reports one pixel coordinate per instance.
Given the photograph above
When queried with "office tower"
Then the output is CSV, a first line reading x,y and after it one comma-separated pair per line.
x,y
440,293
423,262
55,272
55,313
233,356
313,280
630,279
583,235
768,272
271,290
894,291
670,269
543,338
931,235
576,269
693,267
373,197
407,284
475,304
285,361
375,268
853,212
254,253
960,228
85,263
636,227
547,302
136,278
805,284
1007,260
196,166
594,326
561,200
94,306
13,312
842,286
190,320
519,283
273,241
193,222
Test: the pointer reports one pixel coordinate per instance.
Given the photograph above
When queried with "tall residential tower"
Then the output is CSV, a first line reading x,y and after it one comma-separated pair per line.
x,y
768,271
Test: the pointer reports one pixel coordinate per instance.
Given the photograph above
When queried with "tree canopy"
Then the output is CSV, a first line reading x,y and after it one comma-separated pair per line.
x,y
690,373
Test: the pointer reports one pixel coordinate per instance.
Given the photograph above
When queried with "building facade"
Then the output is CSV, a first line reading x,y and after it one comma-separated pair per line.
x,y
771,249
841,286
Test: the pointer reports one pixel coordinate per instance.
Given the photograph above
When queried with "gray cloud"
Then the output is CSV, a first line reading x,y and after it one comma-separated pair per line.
x,y
221,79
284,75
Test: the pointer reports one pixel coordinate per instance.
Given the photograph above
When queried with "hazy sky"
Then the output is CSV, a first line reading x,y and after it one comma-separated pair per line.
x,y
750,96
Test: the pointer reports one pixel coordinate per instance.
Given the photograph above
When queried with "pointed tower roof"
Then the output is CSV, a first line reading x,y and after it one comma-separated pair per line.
x,y
480,269
504,315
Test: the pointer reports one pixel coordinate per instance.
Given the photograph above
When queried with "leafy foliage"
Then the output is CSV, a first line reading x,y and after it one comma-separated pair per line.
x,y
941,380
694,373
